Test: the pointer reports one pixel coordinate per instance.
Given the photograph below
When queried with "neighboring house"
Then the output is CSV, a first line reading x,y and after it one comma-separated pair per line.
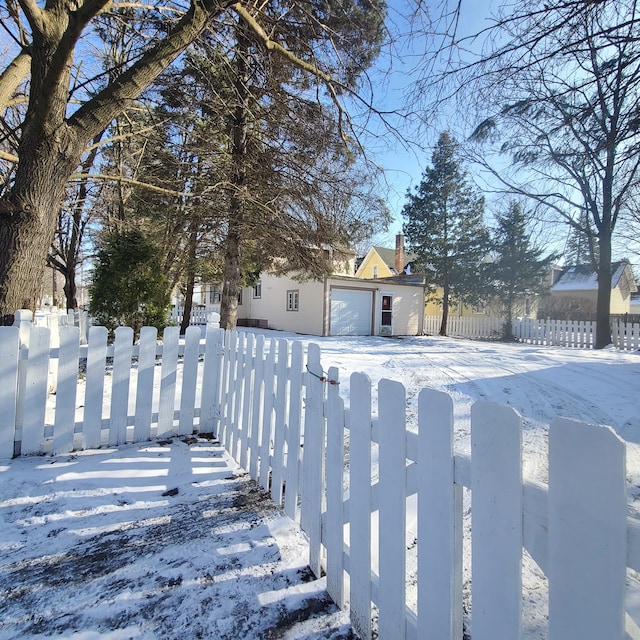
x,y
634,305
335,306
385,263
576,286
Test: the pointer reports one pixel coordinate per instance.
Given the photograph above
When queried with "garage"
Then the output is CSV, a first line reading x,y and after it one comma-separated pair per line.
x,y
351,312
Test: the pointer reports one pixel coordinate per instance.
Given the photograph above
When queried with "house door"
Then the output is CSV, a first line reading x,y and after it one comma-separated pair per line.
x,y
386,314
351,312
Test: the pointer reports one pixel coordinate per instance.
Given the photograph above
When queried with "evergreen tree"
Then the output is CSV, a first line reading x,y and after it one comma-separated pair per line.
x,y
129,287
519,268
445,228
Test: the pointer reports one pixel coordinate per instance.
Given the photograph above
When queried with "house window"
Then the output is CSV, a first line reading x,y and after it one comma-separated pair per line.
x,y
257,290
387,312
293,298
375,270
240,296
215,295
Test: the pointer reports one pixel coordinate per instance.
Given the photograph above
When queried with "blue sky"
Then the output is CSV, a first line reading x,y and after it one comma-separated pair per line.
x,y
398,67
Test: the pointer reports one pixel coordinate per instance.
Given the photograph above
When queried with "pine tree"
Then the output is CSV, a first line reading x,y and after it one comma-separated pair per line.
x,y
519,268
128,285
445,228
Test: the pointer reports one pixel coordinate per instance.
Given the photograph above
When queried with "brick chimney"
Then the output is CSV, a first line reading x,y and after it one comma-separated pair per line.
x,y
399,257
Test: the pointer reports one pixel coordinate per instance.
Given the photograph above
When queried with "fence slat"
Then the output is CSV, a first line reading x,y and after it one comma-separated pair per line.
x,y
266,434
121,378
144,390
168,373
35,396
189,380
247,403
211,379
65,413
256,428
233,426
312,458
9,354
496,556
439,521
587,532
360,504
279,417
393,507
94,390
294,417
333,533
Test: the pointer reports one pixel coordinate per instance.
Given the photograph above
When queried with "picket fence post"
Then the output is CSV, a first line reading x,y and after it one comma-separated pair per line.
x,y
168,378
66,389
439,520
211,380
360,504
294,432
94,388
393,511
36,388
120,380
312,458
587,531
496,529
333,532
267,415
258,390
9,374
144,390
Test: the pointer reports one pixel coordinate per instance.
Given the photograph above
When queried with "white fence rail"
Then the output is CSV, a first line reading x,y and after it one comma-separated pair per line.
x,y
285,422
562,333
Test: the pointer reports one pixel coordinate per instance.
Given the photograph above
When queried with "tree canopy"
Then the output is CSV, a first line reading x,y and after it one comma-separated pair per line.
x,y
444,227
66,99
552,94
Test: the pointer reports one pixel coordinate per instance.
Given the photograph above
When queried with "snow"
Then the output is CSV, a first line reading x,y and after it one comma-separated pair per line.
x,y
170,539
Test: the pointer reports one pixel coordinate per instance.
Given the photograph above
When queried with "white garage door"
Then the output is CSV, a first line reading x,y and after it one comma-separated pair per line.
x,y
351,312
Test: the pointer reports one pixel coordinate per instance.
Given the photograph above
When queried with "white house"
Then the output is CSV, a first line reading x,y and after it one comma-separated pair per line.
x,y
335,306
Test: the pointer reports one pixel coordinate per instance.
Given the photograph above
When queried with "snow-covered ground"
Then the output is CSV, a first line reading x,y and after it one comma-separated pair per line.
x,y
171,540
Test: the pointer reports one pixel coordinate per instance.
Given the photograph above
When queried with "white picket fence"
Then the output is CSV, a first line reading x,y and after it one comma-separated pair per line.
x,y
200,314
561,333
285,422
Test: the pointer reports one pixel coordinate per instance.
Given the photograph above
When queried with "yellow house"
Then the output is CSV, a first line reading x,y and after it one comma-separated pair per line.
x,y
381,262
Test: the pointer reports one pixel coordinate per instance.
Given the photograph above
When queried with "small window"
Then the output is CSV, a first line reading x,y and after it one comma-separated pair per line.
x,y
375,270
292,300
257,290
240,296
215,295
387,313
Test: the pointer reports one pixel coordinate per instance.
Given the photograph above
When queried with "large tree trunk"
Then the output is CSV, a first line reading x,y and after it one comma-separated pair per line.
x,y
191,278
603,308
51,146
71,289
28,221
232,272
446,292
231,279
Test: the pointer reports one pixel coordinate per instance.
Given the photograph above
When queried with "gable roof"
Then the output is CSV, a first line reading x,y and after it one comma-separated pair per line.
x,y
389,257
583,277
